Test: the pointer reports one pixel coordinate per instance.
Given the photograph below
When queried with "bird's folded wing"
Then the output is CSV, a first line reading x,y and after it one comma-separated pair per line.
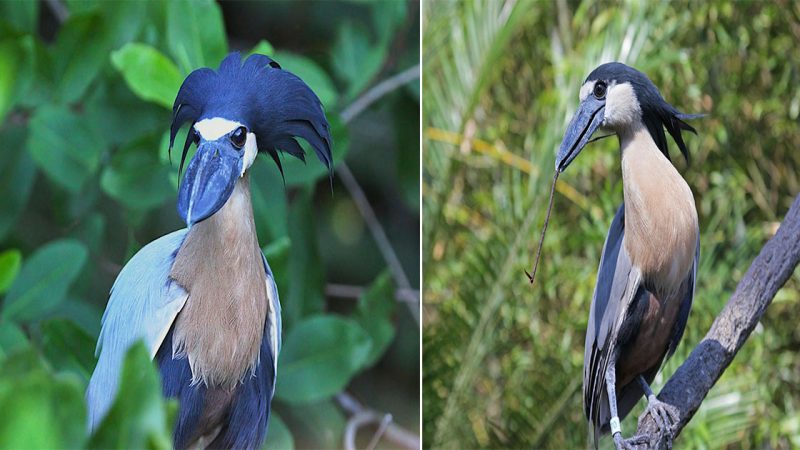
x,y
143,305
273,326
617,281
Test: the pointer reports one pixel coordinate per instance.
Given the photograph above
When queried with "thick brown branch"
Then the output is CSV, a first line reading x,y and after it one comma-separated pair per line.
x,y
686,389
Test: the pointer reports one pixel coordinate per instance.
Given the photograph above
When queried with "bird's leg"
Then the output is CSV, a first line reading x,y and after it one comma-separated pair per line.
x,y
661,413
611,387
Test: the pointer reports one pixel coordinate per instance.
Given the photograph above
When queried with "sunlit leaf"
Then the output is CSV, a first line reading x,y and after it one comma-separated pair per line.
x,y
195,34
10,263
150,74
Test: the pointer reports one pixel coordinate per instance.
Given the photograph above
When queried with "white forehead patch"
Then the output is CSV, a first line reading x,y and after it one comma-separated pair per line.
x,y
586,89
622,106
214,128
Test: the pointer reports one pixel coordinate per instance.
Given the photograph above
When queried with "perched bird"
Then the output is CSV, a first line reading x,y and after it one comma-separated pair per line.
x,y
203,298
646,280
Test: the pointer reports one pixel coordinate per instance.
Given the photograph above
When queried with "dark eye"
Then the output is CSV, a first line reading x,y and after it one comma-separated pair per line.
x,y
195,136
238,137
599,90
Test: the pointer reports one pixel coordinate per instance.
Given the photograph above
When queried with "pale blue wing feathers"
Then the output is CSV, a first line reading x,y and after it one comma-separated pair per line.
x,y
273,317
143,304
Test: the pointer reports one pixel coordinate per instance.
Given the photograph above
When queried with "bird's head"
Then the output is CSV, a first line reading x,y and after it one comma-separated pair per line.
x,y
619,98
235,112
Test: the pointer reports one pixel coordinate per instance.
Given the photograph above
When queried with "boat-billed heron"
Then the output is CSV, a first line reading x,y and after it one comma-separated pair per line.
x,y
203,298
646,280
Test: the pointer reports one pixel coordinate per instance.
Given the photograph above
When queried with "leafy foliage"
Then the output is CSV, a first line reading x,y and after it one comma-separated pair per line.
x,y
86,181
502,365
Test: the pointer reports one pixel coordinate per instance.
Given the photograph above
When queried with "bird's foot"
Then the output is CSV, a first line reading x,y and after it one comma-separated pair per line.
x,y
664,417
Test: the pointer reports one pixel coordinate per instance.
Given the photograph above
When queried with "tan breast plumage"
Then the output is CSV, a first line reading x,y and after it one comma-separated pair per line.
x,y
219,264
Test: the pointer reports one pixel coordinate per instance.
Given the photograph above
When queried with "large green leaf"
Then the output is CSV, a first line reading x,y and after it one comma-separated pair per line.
x,y
136,177
305,278
12,338
139,416
196,33
148,72
44,279
269,200
10,58
10,262
48,410
17,173
68,347
316,425
355,59
65,146
374,314
278,435
84,41
319,357
23,16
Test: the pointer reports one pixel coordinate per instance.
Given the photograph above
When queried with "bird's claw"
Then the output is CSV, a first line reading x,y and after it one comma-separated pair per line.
x,y
664,418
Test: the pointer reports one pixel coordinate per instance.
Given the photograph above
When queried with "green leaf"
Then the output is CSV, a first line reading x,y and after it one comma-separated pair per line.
x,y
357,60
48,410
68,347
21,15
138,418
278,435
84,41
65,146
148,72
196,33
320,424
319,357
262,48
374,314
311,73
44,279
10,58
136,177
306,277
269,200
10,262
12,338
17,173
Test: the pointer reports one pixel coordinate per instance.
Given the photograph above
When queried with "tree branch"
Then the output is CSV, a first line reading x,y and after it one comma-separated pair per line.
x,y
360,198
361,415
686,389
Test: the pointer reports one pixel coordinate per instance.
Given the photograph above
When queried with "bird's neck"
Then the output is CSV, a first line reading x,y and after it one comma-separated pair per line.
x,y
220,266
661,227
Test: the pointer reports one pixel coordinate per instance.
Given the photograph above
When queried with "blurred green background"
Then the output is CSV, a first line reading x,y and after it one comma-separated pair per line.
x,y
86,90
502,362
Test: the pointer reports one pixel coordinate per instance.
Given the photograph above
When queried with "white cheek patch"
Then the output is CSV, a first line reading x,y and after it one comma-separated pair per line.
x,y
215,128
250,152
622,106
586,89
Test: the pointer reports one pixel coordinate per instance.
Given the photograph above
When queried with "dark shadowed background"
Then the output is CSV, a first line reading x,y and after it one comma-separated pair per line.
x,y
86,90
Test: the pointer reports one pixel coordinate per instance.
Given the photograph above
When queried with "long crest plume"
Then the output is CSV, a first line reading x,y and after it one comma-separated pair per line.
x,y
271,102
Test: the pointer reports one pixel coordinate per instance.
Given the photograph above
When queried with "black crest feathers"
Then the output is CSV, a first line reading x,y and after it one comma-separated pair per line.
x,y
657,114
271,102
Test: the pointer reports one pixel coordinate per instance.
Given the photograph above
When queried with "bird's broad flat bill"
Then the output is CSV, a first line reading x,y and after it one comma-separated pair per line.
x,y
209,180
584,123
